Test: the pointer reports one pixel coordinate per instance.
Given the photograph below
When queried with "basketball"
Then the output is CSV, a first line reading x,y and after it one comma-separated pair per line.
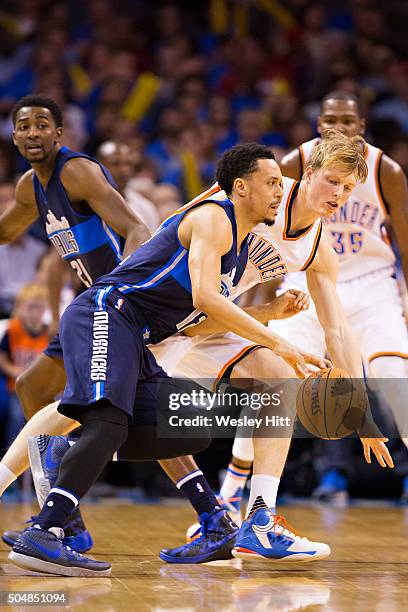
x,y
330,404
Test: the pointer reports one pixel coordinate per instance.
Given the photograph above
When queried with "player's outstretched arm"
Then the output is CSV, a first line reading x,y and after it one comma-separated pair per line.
x,y
340,342
206,232
321,280
394,188
84,180
18,217
285,305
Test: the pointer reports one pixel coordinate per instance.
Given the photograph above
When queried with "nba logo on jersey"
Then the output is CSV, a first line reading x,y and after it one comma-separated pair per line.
x,y
119,304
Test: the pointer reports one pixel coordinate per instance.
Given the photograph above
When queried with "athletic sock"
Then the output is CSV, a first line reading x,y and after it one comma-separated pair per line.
x,y
57,508
243,449
6,478
234,483
264,489
196,488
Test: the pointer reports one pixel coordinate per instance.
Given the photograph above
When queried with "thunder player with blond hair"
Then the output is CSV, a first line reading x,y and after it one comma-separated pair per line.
x,y
367,286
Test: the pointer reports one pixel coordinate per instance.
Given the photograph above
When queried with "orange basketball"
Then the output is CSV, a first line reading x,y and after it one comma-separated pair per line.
x,y
330,404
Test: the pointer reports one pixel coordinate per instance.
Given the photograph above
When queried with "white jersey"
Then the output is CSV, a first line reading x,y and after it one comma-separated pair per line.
x,y
356,231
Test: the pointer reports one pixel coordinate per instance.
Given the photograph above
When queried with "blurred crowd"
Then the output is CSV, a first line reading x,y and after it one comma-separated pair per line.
x,y
158,90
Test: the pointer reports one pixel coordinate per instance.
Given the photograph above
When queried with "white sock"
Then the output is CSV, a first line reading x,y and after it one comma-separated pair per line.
x,y
234,483
265,487
6,478
243,448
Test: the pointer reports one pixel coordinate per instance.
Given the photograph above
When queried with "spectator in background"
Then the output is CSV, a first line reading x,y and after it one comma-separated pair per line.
x,y
118,159
25,338
220,118
167,199
193,165
8,164
164,149
396,105
106,115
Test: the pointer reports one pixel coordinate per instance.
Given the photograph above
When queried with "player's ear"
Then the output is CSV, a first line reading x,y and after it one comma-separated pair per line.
x,y
307,175
59,131
319,126
239,186
362,126
14,137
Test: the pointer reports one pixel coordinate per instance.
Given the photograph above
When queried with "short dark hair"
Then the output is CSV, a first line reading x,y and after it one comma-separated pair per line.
x,y
343,95
239,161
41,101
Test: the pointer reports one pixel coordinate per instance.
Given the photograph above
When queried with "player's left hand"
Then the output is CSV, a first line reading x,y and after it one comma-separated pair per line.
x,y
377,445
289,303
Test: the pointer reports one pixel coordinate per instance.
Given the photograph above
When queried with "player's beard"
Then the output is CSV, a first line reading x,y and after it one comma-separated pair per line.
x,y
36,160
269,222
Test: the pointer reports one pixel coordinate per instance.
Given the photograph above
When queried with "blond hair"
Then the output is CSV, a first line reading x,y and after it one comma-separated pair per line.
x,y
32,291
336,148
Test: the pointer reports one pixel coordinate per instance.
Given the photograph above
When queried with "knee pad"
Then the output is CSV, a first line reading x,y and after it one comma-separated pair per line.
x,y
106,422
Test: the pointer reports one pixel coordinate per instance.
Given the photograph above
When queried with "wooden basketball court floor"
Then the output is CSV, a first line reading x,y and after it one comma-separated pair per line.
x,y
368,568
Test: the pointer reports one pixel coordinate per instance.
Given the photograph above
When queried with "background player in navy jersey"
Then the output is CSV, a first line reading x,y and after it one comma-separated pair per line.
x,y
187,269
86,219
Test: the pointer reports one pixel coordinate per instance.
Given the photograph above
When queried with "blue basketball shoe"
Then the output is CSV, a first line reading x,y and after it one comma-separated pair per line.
x,y
232,505
44,551
215,543
76,537
46,453
268,536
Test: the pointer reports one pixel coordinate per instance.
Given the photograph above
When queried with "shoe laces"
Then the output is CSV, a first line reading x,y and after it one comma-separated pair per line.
x,y
71,550
205,528
285,529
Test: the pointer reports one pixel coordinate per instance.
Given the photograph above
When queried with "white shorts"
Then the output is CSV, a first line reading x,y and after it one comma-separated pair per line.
x,y
206,358
373,308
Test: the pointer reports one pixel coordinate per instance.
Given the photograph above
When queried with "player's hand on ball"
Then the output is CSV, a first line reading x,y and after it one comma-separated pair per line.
x,y
377,445
289,303
299,360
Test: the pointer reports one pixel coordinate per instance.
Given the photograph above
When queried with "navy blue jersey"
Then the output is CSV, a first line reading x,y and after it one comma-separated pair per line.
x,y
84,240
156,279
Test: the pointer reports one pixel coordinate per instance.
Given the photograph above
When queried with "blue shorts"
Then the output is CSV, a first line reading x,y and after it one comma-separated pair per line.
x,y
54,348
105,356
